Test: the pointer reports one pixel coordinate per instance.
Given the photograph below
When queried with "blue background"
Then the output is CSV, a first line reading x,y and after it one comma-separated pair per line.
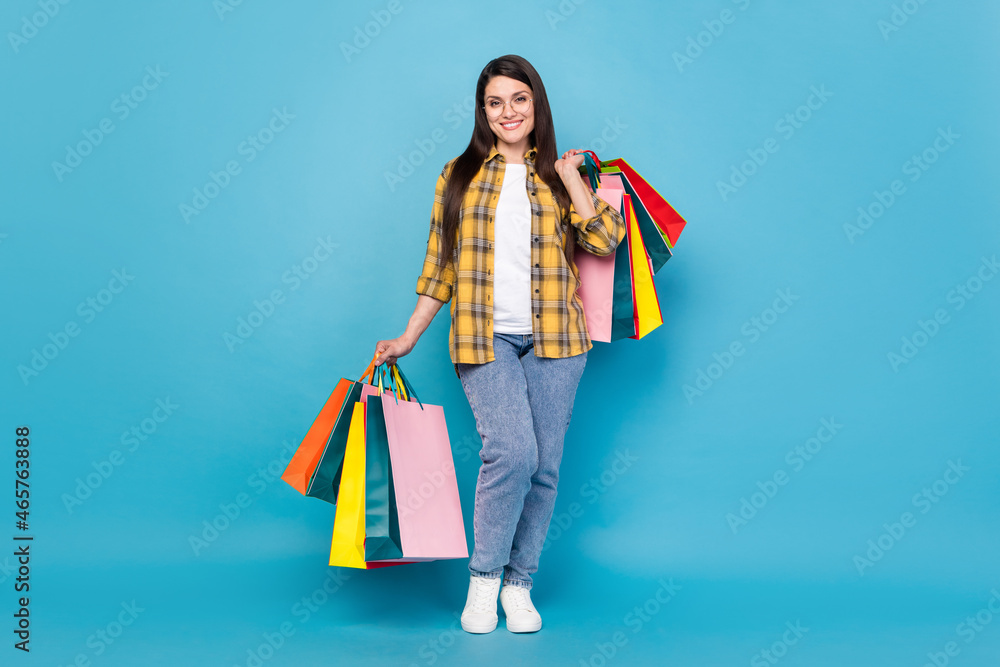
x,y
357,116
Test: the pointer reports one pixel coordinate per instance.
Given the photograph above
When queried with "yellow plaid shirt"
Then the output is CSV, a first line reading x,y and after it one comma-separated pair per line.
x,y
559,327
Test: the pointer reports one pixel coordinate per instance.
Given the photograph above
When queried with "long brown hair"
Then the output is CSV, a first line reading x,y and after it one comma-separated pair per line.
x,y
467,165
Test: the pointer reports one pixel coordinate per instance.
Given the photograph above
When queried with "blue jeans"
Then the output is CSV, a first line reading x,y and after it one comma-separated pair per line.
x,y
522,405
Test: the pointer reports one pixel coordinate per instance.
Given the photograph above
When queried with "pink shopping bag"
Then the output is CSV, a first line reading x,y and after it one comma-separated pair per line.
x,y
597,274
423,473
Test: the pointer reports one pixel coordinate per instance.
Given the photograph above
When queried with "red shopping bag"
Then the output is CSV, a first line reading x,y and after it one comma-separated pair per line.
x,y
669,221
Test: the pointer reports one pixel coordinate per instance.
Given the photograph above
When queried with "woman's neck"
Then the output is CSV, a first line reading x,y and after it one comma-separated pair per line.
x,y
513,153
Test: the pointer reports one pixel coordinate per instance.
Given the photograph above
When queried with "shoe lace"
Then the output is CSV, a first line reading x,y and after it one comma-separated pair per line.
x,y
517,598
484,596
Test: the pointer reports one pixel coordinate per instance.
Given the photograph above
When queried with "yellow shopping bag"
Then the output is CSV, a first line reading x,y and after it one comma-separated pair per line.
x,y
348,545
347,548
647,306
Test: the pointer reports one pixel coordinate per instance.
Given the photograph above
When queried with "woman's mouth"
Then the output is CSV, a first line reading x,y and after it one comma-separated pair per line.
x,y
512,125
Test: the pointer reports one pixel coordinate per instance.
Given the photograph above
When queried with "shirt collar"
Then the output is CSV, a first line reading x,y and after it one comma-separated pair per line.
x,y
529,155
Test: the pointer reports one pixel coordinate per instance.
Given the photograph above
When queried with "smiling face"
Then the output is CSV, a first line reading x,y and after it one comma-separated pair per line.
x,y
511,127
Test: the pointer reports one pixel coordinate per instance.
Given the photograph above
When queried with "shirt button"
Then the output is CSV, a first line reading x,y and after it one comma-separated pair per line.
x,y
537,315
536,265
536,239
536,291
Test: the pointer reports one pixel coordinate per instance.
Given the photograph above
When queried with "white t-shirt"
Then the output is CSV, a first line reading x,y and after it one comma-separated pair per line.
x,y
512,254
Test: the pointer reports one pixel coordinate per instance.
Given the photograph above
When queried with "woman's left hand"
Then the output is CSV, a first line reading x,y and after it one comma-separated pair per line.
x,y
569,164
576,184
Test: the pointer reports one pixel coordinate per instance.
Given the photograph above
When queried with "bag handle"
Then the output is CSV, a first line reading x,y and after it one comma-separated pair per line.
x,y
597,160
394,388
370,371
591,165
405,388
398,384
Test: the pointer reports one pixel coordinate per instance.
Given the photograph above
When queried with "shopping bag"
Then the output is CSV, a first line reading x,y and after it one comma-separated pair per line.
x,y
635,312
606,282
646,311
300,469
381,537
423,474
655,243
597,279
668,221
347,545
315,468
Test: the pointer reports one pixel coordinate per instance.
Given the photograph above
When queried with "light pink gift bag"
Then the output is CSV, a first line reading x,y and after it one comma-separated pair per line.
x,y
423,474
597,274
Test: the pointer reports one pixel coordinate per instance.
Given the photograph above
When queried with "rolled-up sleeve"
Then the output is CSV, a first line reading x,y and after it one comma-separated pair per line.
x,y
602,233
438,274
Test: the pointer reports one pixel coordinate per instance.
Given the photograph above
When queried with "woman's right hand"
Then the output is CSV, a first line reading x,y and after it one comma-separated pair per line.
x,y
389,351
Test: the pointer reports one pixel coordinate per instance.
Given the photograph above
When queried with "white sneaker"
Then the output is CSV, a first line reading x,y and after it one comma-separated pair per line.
x,y
480,614
521,614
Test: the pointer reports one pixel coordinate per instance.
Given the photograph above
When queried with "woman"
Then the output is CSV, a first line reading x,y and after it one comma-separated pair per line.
x,y
507,214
